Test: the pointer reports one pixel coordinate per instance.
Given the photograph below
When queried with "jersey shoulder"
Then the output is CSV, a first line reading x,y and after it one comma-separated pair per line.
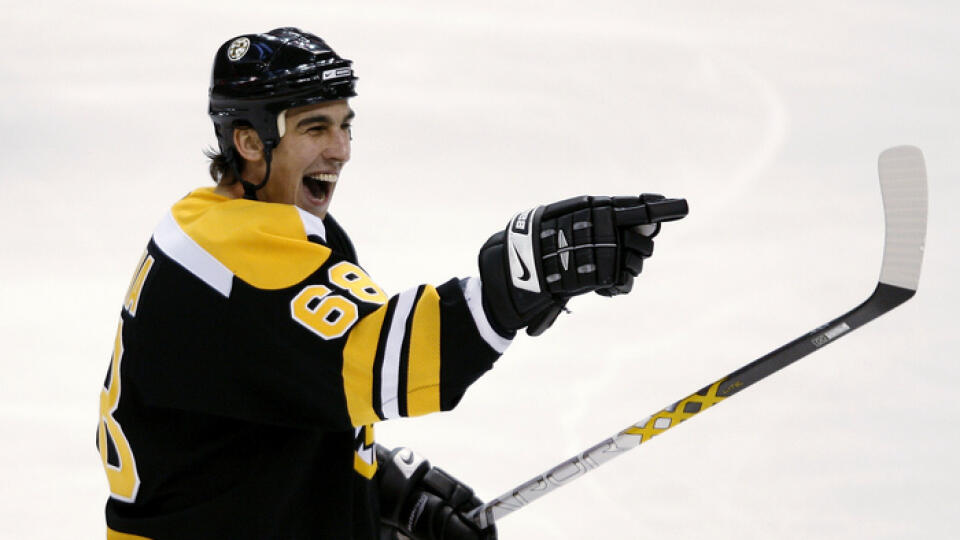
x,y
267,245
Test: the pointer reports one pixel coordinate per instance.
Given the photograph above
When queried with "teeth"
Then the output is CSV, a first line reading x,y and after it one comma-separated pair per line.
x,y
324,177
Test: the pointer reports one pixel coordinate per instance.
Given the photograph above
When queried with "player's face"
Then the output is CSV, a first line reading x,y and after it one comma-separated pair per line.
x,y
306,164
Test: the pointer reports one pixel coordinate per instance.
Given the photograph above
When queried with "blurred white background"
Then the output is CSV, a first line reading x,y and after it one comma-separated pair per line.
x,y
767,116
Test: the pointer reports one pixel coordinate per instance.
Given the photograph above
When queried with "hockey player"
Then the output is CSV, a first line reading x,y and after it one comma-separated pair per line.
x,y
254,354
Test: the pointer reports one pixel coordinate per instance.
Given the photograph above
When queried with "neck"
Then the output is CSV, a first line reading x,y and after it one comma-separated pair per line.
x,y
232,191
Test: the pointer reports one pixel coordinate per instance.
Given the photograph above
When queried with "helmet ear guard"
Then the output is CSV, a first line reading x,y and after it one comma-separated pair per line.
x,y
257,77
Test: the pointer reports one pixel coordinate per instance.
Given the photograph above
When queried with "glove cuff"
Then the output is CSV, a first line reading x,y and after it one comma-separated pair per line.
x,y
508,308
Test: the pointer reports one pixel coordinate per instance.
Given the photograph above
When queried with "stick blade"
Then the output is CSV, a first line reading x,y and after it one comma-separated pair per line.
x,y
903,182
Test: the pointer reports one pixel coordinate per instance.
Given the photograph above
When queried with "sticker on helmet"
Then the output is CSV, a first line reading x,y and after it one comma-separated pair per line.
x,y
238,48
336,73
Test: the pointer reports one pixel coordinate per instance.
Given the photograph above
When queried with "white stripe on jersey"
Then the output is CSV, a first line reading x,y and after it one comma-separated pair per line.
x,y
177,245
390,372
474,297
312,224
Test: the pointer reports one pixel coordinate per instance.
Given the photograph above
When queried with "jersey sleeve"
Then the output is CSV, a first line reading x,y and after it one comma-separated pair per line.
x,y
279,328
414,355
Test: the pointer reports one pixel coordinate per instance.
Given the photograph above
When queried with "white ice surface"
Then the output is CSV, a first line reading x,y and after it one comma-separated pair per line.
x,y
767,116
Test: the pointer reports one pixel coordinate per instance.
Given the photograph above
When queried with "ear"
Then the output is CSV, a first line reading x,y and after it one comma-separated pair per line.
x,y
248,144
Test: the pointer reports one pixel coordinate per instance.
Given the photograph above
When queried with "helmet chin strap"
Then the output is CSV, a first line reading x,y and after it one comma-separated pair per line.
x,y
250,190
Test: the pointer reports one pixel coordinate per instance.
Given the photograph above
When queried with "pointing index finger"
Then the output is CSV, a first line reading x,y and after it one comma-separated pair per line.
x,y
651,211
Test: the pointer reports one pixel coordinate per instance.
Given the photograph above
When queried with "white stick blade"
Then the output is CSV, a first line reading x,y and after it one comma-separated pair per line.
x,y
903,182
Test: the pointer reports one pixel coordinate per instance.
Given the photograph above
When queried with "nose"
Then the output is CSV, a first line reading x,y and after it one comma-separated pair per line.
x,y
338,148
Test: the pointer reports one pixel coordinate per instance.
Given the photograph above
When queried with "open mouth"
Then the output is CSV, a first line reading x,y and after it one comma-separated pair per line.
x,y
319,186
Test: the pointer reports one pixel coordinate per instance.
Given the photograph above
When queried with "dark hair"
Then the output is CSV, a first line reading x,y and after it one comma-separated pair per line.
x,y
221,170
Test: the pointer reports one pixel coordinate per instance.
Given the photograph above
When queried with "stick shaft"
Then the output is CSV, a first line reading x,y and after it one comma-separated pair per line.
x,y
884,298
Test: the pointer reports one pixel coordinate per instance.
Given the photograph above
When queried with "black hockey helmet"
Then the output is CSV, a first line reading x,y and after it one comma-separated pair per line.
x,y
256,77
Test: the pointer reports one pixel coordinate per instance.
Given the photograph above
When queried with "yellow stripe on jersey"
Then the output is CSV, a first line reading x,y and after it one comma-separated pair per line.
x,y
264,244
423,365
116,535
365,458
359,355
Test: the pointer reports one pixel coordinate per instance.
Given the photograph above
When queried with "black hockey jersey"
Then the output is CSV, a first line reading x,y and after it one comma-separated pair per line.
x,y
252,358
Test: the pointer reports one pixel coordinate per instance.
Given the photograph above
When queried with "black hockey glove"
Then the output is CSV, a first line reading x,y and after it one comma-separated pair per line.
x,y
576,246
421,502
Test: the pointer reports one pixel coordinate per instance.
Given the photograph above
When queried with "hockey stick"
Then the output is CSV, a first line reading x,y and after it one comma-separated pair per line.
x,y
903,184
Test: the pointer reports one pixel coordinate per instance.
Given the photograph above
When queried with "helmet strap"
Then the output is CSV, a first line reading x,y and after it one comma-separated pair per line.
x,y
249,189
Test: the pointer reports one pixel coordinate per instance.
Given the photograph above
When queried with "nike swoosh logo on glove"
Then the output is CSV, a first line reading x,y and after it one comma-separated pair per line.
x,y
526,271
